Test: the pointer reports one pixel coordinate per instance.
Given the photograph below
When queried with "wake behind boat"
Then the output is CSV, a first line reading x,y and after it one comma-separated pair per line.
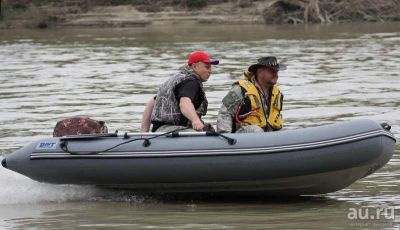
x,y
306,161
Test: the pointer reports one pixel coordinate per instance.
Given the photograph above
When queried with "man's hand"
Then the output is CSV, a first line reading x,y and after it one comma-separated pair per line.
x,y
198,125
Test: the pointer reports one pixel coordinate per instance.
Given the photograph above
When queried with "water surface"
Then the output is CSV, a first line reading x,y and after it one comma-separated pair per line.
x,y
335,73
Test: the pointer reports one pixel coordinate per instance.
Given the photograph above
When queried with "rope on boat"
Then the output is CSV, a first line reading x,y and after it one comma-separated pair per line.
x,y
146,141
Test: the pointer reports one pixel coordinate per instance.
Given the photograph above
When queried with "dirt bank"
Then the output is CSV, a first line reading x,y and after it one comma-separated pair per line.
x,y
83,13
128,13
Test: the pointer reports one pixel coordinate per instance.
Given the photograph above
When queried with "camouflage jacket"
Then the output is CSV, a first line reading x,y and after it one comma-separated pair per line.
x,y
166,108
230,104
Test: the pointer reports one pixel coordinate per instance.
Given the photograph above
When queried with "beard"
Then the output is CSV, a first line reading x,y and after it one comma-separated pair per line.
x,y
271,82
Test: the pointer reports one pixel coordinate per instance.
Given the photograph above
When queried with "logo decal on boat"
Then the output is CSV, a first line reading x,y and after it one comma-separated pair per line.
x,y
47,145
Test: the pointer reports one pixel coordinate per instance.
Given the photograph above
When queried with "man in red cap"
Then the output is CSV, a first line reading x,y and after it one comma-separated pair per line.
x,y
181,100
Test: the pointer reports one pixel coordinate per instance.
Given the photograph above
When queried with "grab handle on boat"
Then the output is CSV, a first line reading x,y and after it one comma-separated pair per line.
x,y
386,126
230,141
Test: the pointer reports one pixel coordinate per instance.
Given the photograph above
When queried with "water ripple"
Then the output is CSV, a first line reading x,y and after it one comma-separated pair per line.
x,y
328,80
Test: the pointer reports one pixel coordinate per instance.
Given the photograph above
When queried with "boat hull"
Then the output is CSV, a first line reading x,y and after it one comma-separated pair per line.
x,y
307,161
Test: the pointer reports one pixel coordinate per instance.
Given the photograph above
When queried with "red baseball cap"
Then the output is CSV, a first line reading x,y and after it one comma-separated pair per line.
x,y
199,56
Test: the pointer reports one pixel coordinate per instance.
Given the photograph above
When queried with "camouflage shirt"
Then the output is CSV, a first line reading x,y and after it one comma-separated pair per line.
x,y
230,104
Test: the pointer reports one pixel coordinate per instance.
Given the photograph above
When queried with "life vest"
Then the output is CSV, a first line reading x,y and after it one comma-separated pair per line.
x,y
256,115
166,108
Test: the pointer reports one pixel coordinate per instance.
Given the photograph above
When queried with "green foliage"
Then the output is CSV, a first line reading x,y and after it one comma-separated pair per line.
x,y
7,11
1,10
196,3
27,15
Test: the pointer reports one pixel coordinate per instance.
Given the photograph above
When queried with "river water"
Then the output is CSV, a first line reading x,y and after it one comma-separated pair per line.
x,y
335,73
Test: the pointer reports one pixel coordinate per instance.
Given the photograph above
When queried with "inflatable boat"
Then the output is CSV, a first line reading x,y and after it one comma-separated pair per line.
x,y
305,161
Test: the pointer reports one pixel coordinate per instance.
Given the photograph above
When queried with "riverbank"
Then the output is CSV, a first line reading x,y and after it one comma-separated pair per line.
x,y
130,15
335,73
86,13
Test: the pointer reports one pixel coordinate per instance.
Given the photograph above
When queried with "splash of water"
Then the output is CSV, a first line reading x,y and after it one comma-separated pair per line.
x,y
19,189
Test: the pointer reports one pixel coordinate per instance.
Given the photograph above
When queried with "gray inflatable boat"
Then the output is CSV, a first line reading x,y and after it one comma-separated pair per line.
x,y
305,161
